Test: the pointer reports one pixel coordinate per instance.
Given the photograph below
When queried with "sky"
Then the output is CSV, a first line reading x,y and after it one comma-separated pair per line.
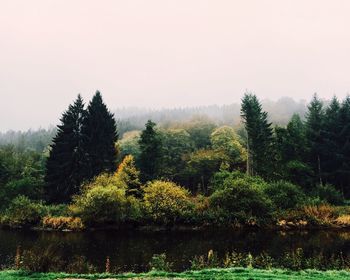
x,y
162,53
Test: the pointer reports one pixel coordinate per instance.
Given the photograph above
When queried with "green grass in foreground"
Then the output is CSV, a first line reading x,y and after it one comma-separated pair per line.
x,y
233,273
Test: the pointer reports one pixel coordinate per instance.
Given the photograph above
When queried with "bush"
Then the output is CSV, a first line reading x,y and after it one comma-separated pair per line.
x,y
166,202
104,201
159,263
320,214
27,186
285,195
23,212
99,205
219,179
63,223
329,194
57,210
240,200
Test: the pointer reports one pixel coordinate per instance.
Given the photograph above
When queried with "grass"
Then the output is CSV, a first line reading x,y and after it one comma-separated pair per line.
x,y
206,274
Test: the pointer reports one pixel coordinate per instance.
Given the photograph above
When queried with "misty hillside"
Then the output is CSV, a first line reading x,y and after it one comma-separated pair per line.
x,y
279,112
135,118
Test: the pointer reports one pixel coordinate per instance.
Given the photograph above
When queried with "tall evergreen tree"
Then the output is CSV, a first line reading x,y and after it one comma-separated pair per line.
x,y
259,134
63,167
344,147
291,148
150,157
99,134
330,153
314,126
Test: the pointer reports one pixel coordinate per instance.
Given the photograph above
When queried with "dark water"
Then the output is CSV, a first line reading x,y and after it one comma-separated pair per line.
x,y
132,250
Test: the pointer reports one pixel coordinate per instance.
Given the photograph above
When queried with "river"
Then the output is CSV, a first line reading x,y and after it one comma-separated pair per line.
x,y
132,250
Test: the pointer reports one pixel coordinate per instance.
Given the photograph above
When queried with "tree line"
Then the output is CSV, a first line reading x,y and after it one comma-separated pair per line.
x,y
311,151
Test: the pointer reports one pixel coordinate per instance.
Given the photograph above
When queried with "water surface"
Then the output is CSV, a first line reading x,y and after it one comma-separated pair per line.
x,y
132,250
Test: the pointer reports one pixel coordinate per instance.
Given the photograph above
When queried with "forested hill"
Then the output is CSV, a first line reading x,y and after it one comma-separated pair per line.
x,y
279,111
129,119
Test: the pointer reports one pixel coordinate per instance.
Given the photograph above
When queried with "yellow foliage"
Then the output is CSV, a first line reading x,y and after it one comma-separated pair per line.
x,y
62,223
165,201
128,173
322,213
343,220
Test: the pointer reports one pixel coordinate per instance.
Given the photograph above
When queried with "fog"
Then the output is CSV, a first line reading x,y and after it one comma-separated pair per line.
x,y
161,53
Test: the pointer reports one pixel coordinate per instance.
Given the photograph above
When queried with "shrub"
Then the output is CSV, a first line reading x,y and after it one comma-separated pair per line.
x,y
241,200
23,212
99,204
63,223
42,260
159,263
166,202
104,200
27,186
320,214
343,220
329,194
57,210
219,179
285,195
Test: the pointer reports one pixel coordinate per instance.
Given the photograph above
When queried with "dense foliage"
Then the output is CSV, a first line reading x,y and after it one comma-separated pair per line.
x,y
196,172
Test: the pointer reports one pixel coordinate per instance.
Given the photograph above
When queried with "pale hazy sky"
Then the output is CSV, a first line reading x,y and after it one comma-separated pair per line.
x,y
159,53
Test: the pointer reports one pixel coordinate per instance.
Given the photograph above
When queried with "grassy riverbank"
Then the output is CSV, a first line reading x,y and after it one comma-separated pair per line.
x,y
234,273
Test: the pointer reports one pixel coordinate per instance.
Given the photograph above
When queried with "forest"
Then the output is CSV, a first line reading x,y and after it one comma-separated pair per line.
x,y
97,171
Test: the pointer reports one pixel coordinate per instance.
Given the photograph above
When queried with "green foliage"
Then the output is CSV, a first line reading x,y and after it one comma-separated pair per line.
x,y
242,200
21,173
329,194
205,274
104,201
166,203
159,263
225,140
23,212
200,129
176,145
220,178
129,145
285,195
202,164
150,157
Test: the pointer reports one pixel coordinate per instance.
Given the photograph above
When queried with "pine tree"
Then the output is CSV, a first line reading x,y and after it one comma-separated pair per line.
x,y
63,167
330,133
128,173
150,157
99,134
344,147
314,126
259,134
291,148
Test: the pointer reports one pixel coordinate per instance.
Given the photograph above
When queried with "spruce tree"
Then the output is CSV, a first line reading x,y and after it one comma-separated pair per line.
x,y
314,126
128,173
259,134
344,147
150,157
330,152
99,135
291,148
63,167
